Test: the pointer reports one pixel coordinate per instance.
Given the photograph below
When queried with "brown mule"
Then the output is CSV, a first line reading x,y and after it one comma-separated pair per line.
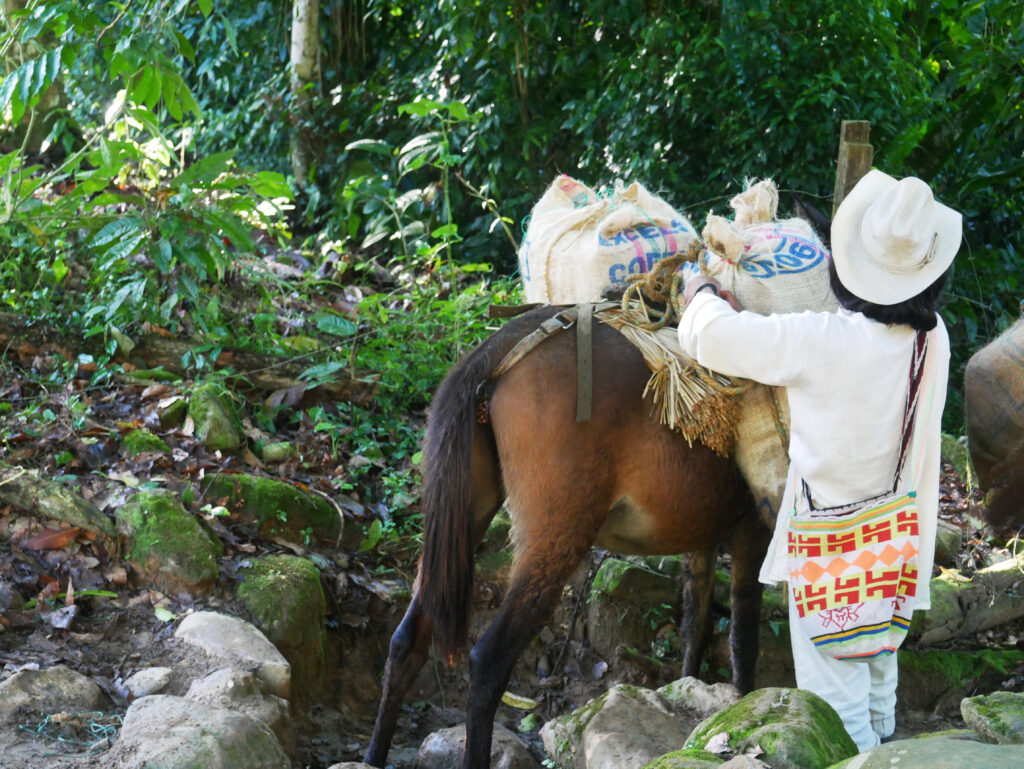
x,y
621,481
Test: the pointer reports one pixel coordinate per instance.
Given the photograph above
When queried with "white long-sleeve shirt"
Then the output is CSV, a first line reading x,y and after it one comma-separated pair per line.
x,y
846,379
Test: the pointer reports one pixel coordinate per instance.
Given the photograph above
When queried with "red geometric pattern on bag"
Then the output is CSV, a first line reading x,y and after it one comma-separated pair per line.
x,y
906,523
857,588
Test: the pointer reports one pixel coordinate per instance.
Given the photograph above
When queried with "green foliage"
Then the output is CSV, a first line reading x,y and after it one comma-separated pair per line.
x,y
124,211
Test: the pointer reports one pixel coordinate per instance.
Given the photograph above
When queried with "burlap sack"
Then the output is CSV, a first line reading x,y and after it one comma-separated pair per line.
x,y
772,267
994,405
579,243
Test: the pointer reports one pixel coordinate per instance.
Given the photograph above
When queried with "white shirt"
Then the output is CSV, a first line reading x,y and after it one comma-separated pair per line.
x,y
846,379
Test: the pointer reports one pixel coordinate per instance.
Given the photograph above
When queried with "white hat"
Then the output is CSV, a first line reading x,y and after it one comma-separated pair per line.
x,y
891,239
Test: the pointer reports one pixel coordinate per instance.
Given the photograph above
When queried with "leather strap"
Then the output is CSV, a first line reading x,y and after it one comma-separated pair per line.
x,y
557,322
584,361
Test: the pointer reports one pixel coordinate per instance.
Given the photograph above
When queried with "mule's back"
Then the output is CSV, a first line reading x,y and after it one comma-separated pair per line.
x,y
622,474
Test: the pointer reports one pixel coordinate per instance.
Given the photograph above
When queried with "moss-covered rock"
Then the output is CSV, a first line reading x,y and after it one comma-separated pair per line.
x,y
936,753
276,508
996,717
209,407
139,441
686,759
285,599
954,450
281,451
172,413
628,604
795,728
936,680
167,546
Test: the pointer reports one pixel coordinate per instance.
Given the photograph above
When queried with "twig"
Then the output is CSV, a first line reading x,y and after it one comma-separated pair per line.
x,y
113,24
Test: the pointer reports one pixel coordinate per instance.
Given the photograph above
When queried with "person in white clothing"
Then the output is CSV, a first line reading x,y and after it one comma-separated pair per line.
x,y
846,375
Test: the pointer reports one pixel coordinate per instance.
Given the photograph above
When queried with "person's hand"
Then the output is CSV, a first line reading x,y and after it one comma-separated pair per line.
x,y
693,285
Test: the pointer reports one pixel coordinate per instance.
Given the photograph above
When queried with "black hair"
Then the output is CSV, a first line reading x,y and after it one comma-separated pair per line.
x,y
918,312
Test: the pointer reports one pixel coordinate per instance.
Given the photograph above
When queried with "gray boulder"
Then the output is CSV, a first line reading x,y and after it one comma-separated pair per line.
x,y
237,644
444,749
794,729
176,733
52,690
996,717
938,752
243,692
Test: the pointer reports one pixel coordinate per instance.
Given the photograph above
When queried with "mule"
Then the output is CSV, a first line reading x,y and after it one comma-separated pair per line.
x,y
621,481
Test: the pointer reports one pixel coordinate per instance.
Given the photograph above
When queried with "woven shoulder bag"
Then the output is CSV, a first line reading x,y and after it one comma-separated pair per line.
x,y
853,569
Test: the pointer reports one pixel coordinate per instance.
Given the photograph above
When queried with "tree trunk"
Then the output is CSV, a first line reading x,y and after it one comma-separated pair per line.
x,y
305,74
963,605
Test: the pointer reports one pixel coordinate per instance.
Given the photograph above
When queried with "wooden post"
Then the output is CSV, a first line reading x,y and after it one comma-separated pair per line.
x,y
855,156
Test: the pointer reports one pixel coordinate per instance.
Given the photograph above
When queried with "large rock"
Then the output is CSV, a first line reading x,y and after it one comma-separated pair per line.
x,y
277,508
997,717
164,732
689,758
168,546
284,596
626,606
210,409
148,681
444,749
52,690
628,726
243,692
795,728
239,645
936,680
939,752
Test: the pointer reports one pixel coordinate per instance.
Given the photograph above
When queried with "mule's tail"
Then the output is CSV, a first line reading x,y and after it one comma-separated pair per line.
x,y
446,567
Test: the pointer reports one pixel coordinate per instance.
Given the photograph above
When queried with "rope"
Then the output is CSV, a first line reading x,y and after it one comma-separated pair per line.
x,y
102,729
661,285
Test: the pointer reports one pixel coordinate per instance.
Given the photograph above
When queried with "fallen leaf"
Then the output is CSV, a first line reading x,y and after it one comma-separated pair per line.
x,y
69,595
718,744
164,615
63,617
51,539
154,390
515,701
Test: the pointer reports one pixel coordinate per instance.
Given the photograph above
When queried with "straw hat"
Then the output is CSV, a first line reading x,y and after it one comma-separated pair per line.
x,y
891,239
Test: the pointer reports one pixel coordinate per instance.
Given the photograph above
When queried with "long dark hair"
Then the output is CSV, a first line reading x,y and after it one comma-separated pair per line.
x,y
918,312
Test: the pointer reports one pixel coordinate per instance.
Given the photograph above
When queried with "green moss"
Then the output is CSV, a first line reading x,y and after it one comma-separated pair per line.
x,y
285,599
209,407
958,667
276,507
153,375
167,544
277,452
174,414
795,728
138,441
690,758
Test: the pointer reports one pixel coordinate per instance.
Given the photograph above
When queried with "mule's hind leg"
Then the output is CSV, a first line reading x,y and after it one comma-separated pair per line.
x,y
410,646
698,597
534,592
749,544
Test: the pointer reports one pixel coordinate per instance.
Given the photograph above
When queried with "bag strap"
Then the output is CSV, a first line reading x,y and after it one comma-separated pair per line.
x,y
917,360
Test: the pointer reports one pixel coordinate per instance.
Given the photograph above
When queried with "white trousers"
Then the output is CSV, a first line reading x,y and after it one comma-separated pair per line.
x,y
862,693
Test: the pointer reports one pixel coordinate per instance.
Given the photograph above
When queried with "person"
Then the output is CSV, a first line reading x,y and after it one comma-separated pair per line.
x,y
847,380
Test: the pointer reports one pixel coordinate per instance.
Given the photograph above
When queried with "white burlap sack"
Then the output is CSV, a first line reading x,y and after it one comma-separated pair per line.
x,y
578,243
771,266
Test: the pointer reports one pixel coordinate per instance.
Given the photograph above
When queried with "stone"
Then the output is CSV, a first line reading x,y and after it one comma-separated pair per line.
x,y
167,545
696,695
274,453
51,690
624,728
795,728
148,681
238,644
937,753
627,606
172,412
177,733
284,596
948,539
996,717
243,692
139,441
936,680
350,765
210,411
279,509
444,750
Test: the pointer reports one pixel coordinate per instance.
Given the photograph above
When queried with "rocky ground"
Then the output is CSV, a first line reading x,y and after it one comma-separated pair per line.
x,y
94,593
